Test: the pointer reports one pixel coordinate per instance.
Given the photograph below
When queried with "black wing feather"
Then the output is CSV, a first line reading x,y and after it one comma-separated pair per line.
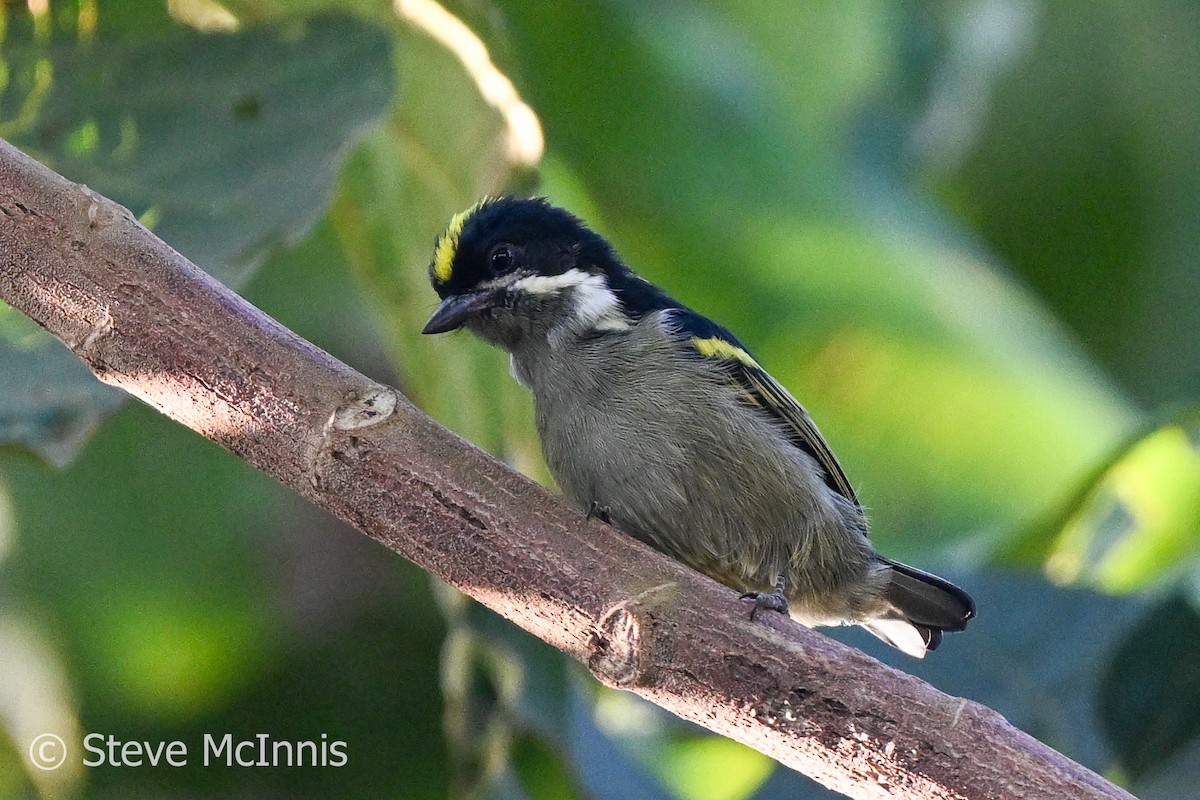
x,y
766,394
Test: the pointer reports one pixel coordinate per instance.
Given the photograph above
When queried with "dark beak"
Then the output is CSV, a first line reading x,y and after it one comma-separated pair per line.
x,y
454,310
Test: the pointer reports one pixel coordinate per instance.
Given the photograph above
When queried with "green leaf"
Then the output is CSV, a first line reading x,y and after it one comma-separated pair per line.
x,y
1082,177
542,770
236,150
712,768
1138,523
233,150
50,401
1150,696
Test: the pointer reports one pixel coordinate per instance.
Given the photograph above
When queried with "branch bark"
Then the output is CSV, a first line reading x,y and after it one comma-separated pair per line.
x,y
150,322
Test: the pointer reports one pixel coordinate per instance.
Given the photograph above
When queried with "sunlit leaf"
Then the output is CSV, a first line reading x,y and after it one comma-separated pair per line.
x,y
35,702
1141,522
712,768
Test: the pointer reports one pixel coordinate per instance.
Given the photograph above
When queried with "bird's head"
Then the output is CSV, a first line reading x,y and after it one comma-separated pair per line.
x,y
513,270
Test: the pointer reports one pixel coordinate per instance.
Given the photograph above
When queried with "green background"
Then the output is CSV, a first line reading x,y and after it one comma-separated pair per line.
x,y
963,234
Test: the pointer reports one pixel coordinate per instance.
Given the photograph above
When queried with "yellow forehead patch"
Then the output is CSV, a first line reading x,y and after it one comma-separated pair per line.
x,y
447,244
715,347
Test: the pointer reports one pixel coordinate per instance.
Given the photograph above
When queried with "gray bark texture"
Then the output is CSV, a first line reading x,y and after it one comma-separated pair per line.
x,y
148,321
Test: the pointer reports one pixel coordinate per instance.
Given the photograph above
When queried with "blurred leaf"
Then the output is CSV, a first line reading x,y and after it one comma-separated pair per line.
x,y
712,768
1083,177
1139,523
683,759
542,771
1150,695
610,761
163,645
35,699
786,784
257,11
1036,653
508,700
50,401
224,159
1175,777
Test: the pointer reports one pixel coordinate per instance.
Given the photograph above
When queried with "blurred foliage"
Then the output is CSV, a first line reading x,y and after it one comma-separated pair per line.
x,y
238,151
963,234
1151,693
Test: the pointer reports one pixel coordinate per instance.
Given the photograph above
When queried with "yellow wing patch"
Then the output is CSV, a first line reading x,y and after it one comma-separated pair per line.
x,y
766,393
763,392
715,347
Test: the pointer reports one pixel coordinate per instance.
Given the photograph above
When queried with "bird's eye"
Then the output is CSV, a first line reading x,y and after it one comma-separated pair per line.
x,y
502,258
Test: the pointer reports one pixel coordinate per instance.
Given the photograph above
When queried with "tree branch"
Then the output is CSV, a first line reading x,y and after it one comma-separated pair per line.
x,y
148,321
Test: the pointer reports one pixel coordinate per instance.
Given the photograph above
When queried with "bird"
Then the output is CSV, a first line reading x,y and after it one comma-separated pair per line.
x,y
660,422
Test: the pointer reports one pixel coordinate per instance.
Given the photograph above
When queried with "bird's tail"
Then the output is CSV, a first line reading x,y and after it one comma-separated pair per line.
x,y
922,607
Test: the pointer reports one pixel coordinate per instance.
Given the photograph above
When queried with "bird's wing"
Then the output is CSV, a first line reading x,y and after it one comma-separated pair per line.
x,y
759,390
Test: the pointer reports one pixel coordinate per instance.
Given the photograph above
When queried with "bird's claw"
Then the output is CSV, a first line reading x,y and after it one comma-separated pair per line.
x,y
771,601
598,511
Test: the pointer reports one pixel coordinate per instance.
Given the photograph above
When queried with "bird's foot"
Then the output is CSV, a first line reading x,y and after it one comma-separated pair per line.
x,y
771,601
598,511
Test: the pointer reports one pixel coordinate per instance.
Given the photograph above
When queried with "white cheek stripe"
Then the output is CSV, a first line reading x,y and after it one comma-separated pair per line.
x,y
596,303
547,284
596,306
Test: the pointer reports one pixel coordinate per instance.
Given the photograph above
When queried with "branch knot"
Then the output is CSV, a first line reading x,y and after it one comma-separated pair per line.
x,y
364,408
618,655
616,648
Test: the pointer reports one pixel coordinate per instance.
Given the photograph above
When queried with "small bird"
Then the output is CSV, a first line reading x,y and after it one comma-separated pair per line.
x,y
660,422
